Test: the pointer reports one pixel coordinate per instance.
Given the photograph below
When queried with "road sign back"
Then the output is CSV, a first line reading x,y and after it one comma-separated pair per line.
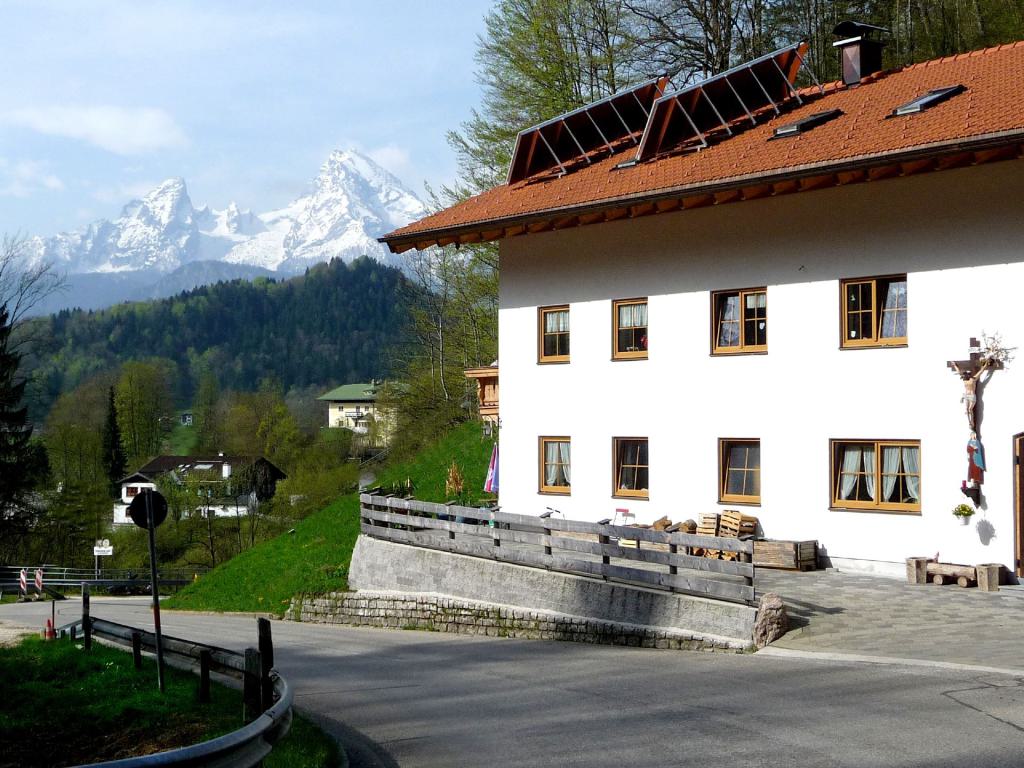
x,y
137,509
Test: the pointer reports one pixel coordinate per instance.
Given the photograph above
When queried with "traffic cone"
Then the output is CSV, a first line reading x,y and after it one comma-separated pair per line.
x,y
50,634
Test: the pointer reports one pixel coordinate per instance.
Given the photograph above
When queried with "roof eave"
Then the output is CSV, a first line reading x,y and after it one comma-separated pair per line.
x,y
497,228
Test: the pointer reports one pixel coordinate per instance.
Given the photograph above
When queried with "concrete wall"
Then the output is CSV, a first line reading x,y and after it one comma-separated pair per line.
x,y
383,566
958,234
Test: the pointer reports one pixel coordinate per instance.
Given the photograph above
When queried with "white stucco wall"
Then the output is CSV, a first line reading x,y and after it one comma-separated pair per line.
x,y
960,237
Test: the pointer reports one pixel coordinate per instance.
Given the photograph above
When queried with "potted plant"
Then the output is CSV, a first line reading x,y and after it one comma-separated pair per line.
x,y
963,512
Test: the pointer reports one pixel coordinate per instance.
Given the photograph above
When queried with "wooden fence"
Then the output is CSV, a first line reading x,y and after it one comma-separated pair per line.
x,y
657,559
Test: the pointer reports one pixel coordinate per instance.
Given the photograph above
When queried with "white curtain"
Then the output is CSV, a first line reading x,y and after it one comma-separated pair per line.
x,y
890,468
757,300
556,322
912,466
894,320
551,463
851,466
633,316
563,449
869,469
728,327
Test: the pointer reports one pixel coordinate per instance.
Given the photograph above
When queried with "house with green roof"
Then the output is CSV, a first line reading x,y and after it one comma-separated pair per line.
x,y
355,407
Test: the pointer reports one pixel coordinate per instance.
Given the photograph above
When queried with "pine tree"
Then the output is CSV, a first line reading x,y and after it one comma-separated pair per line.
x,y
114,460
18,462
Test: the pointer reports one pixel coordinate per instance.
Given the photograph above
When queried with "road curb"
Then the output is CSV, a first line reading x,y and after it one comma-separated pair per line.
x,y
789,653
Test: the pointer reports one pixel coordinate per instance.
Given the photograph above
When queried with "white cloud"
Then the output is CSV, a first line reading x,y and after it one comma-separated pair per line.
x,y
122,130
392,157
26,177
124,192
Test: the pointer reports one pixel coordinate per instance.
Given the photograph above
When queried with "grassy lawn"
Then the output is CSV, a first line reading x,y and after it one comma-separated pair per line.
x,y
63,706
316,557
182,440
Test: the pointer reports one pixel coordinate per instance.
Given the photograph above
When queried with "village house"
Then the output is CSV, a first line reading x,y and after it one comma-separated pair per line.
x,y
209,476
355,407
771,289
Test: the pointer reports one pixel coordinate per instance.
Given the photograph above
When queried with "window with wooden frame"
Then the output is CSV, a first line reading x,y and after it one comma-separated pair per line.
x,y
876,475
553,334
629,335
739,471
740,321
631,470
874,311
555,465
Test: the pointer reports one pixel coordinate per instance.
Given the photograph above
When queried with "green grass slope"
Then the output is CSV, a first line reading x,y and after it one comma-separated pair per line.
x,y
316,557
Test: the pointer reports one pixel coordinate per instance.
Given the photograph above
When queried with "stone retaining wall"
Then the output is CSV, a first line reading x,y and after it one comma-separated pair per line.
x,y
443,613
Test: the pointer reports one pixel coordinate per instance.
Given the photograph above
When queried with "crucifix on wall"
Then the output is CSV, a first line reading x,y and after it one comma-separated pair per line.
x,y
981,360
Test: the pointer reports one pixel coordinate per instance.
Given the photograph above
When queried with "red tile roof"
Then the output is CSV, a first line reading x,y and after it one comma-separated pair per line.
x,y
989,114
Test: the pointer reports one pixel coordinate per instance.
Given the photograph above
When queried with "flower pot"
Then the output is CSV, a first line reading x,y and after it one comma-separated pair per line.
x,y
966,520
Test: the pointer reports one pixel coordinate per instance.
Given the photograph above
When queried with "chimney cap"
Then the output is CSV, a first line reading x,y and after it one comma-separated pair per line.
x,y
856,29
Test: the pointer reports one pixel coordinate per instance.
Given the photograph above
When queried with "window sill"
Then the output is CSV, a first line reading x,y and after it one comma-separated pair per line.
x,y
745,502
632,497
627,357
876,510
876,345
553,361
554,492
737,353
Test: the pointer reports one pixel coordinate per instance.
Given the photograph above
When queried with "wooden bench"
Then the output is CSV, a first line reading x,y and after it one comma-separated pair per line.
x,y
965,575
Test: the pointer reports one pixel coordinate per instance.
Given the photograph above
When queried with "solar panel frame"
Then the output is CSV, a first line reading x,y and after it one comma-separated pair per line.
x,y
574,136
738,93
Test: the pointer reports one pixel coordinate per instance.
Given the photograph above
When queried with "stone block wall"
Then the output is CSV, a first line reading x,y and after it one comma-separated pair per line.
x,y
441,613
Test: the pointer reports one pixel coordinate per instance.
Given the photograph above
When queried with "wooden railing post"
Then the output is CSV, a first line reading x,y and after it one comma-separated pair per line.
x,y
494,527
137,649
266,648
204,677
86,624
673,570
547,541
251,695
747,557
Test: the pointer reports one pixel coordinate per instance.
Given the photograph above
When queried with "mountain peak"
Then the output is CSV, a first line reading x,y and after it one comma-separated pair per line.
x,y
351,202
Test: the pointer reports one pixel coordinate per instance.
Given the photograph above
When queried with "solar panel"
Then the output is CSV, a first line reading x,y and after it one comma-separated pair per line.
x,y
714,105
575,136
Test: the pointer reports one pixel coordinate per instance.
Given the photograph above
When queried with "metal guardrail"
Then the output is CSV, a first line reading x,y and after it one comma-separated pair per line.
x,y
57,576
679,562
268,697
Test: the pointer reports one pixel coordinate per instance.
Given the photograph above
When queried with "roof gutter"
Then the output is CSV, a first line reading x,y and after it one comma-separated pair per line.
x,y
926,151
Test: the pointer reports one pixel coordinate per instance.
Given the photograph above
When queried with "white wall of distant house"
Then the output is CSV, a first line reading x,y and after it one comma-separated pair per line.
x,y
960,237
227,510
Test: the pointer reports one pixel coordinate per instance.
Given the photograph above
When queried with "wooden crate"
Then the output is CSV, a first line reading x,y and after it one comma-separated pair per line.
x,y
735,524
707,526
789,555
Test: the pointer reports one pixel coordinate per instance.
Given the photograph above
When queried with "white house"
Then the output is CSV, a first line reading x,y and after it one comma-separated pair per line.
x,y
211,478
355,407
762,294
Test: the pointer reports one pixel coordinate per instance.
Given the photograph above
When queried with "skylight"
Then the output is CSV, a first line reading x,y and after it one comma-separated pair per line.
x,y
930,99
805,124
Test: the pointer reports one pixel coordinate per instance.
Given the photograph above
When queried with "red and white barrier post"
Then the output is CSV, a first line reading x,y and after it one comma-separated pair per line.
x,y
23,584
39,582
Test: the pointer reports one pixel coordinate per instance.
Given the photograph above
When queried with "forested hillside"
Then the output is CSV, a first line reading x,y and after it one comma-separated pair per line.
x,y
334,324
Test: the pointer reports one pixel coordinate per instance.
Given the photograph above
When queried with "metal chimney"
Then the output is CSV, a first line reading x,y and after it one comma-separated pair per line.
x,y
860,49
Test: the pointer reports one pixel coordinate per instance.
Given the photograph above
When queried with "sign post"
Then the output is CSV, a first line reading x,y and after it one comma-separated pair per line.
x,y
147,510
102,548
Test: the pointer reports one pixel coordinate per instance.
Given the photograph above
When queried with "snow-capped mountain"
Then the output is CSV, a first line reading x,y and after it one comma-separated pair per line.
x,y
350,203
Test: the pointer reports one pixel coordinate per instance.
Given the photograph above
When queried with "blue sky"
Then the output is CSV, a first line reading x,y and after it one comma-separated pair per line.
x,y
243,99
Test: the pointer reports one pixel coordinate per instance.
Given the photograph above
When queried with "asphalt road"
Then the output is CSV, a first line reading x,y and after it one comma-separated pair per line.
x,y
419,699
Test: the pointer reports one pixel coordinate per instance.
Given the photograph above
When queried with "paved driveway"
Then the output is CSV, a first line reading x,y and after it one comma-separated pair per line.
x,y
430,699
853,613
